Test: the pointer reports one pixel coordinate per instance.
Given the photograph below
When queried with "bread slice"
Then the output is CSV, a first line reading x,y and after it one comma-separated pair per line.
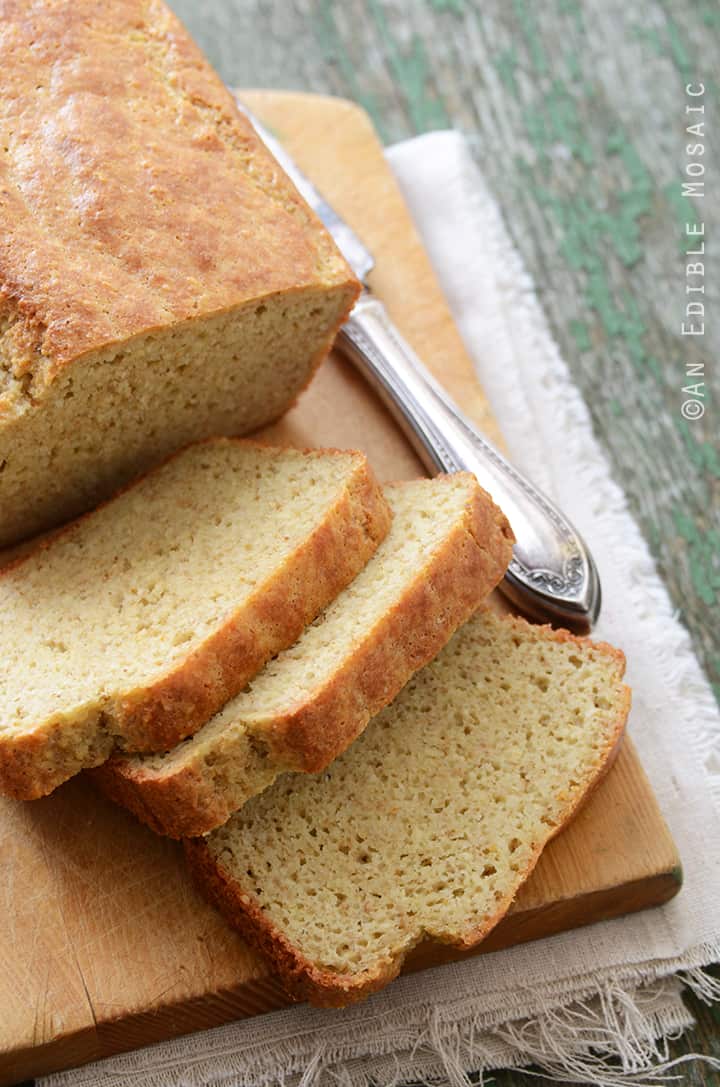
x,y
430,822
161,279
136,623
447,548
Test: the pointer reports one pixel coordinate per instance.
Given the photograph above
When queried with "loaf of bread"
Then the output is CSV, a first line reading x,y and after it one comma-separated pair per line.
x,y
429,823
161,280
448,546
136,623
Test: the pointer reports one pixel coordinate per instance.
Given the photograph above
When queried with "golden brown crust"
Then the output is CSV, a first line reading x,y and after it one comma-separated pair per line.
x,y
31,763
158,717
304,979
444,595
189,800
101,246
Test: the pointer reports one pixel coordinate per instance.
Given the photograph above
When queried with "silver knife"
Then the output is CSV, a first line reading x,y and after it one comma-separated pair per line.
x,y
552,575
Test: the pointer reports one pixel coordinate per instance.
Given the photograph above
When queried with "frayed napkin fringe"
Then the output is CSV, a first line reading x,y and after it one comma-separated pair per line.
x,y
610,1036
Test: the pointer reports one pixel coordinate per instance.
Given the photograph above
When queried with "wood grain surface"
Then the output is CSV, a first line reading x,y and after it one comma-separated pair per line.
x,y
104,944
576,112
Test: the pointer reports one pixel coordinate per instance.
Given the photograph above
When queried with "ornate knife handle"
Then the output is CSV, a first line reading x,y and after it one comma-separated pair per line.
x,y
551,574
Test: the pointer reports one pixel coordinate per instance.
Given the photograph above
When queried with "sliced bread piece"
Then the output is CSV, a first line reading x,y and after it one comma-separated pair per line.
x,y
430,822
447,548
137,622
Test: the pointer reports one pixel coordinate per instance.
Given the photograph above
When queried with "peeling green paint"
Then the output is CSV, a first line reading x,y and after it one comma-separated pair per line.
x,y
556,120
335,54
654,537
635,201
714,664
678,51
411,72
533,40
649,35
573,8
655,367
703,555
505,64
599,298
587,218
456,7
666,42
574,67
684,210
703,455
581,334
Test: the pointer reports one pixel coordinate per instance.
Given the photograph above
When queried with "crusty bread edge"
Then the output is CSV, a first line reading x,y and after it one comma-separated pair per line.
x,y
157,717
446,590
305,980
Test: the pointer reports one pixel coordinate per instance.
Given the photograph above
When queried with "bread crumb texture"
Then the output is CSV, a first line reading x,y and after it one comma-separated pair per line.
x,y
160,277
429,823
135,624
448,546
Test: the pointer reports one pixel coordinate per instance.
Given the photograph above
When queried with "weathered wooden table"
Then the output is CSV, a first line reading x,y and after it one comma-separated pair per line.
x,y
577,112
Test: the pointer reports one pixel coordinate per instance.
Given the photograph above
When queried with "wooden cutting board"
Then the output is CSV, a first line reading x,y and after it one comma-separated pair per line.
x,y
104,944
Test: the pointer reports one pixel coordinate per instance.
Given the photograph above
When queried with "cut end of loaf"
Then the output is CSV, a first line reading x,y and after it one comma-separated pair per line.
x,y
224,374
427,826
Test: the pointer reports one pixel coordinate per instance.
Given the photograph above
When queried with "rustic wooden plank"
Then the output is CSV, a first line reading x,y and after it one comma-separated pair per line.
x,y
44,996
135,954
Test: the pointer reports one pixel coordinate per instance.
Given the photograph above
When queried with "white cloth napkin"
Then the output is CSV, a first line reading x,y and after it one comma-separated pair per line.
x,y
594,1004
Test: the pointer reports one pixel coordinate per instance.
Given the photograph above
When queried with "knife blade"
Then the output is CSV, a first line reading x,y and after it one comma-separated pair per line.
x,y
552,574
